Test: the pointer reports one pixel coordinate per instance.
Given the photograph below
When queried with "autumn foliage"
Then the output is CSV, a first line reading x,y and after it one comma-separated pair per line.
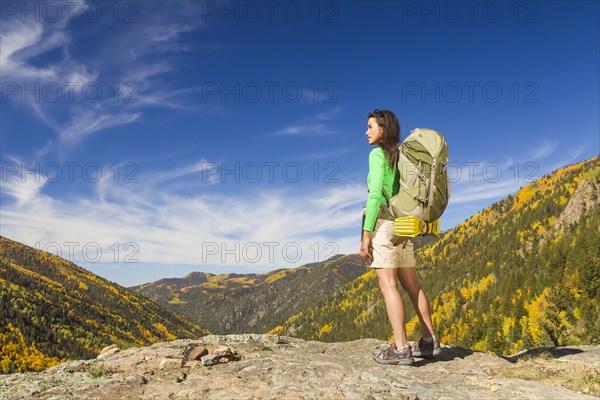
x,y
52,310
509,278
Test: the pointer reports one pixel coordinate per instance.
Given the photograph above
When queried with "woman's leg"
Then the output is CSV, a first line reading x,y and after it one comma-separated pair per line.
x,y
393,303
408,280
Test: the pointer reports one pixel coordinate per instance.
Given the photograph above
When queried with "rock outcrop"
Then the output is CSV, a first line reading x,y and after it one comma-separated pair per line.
x,y
263,366
585,198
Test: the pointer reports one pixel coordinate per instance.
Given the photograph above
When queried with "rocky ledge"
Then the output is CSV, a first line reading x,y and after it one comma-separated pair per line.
x,y
259,366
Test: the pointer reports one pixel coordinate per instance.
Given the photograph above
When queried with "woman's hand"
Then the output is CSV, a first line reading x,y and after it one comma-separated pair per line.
x,y
366,250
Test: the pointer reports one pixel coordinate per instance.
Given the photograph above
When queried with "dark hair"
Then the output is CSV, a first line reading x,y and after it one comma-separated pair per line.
x,y
391,134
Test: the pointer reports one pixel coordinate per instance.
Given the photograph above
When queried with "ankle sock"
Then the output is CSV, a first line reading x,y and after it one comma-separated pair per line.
x,y
395,346
429,339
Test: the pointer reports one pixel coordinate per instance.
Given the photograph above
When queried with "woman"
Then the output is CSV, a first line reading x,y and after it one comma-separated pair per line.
x,y
392,256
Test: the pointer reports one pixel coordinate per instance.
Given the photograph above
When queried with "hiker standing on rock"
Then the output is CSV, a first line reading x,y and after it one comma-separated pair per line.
x,y
393,257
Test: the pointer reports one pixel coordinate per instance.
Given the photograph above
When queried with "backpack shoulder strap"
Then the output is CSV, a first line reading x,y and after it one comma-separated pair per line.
x,y
385,193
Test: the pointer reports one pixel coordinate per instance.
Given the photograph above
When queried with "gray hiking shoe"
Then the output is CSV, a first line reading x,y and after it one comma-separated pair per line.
x,y
426,349
394,356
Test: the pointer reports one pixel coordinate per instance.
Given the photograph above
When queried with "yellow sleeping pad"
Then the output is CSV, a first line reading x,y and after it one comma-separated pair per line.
x,y
413,226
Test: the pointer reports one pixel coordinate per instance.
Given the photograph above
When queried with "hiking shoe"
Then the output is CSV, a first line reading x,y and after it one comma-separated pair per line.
x,y
426,349
394,356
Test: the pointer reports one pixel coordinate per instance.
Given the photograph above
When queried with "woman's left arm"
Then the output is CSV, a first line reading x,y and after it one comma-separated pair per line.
x,y
376,164
365,246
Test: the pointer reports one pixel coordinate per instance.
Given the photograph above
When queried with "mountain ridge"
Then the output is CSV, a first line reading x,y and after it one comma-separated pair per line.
x,y
234,303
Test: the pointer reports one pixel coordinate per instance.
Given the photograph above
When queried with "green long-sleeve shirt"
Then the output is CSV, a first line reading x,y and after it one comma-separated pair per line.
x,y
380,174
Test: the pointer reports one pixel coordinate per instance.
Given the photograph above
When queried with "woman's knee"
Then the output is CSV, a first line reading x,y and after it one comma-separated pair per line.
x,y
408,280
388,282
403,283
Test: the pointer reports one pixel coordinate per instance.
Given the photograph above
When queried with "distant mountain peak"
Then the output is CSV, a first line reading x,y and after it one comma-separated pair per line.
x,y
229,303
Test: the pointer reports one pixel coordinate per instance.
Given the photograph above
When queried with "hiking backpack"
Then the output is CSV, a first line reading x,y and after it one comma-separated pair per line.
x,y
424,185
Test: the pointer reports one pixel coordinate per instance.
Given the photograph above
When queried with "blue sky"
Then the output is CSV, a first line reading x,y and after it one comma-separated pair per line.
x,y
146,139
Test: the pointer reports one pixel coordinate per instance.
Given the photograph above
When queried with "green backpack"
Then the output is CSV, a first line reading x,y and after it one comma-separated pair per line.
x,y
424,185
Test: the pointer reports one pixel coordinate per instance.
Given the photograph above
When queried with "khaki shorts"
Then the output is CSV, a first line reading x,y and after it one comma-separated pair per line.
x,y
389,250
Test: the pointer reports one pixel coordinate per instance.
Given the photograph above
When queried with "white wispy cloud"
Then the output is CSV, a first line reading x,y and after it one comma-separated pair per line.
x,y
135,56
326,154
311,125
87,122
305,130
21,41
545,150
172,228
569,156
328,115
488,190
168,99
481,180
17,183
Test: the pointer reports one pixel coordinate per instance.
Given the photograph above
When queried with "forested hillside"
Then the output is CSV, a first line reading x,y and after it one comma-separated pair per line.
x,y
52,310
523,273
